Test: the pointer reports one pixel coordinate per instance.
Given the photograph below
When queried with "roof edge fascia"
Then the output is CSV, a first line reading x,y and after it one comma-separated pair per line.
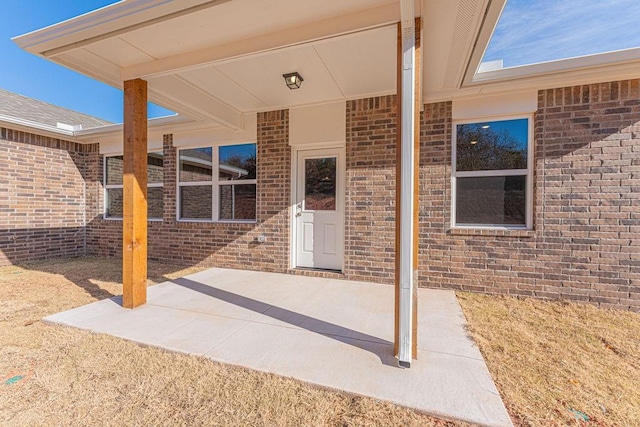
x,y
105,22
168,124
569,65
29,126
159,124
542,81
153,122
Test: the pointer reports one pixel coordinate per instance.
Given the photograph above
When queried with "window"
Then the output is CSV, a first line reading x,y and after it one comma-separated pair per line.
x,y
320,184
492,180
229,194
113,171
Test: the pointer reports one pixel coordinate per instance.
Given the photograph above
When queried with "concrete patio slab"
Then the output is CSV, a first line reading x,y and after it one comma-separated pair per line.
x,y
333,333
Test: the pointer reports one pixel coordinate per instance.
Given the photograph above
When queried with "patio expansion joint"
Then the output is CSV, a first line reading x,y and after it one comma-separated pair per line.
x,y
426,350
247,323
187,310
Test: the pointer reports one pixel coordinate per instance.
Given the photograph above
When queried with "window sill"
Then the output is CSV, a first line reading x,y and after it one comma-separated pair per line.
x,y
495,232
208,221
113,218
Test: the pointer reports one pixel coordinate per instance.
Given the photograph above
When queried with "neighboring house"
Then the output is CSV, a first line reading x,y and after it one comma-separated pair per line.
x,y
43,179
529,177
17,110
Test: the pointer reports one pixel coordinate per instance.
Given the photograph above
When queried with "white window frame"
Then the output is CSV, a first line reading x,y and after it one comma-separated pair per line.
x,y
527,173
105,197
215,183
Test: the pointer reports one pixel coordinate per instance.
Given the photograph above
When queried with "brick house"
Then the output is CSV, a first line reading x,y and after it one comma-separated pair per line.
x,y
527,180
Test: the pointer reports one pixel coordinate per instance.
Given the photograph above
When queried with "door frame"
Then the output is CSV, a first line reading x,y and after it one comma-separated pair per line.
x,y
341,188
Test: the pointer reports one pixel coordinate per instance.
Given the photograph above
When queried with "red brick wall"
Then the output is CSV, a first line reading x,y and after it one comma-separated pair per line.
x,y
42,203
370,189
220,244
585,246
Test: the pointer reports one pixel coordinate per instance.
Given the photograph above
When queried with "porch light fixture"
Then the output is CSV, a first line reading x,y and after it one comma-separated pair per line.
x,y
293,80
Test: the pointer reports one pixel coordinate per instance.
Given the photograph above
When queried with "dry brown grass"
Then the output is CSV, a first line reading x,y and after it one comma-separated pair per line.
x,y
549,357
72,377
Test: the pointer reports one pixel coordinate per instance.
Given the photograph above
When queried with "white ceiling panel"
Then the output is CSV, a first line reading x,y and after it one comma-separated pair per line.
x,y
237,20
261,75
214,82
363,63
88,63
119,52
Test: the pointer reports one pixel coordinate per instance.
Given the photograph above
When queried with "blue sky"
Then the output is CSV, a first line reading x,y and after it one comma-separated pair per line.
x,y
29,75
532,31
529,31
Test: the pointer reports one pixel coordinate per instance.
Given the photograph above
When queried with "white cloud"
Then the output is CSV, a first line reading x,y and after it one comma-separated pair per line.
x,y
532,31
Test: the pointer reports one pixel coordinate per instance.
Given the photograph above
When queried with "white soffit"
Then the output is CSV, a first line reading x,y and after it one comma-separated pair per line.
x,y
87,63
497,105
215,60
216,25
114,146
185,134
261,75
117,51
214,82
106,22
450,30
352,66
363,63
185,98
218,135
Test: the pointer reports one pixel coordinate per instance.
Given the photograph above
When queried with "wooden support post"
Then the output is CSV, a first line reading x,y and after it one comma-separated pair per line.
x,y
415,206
134,243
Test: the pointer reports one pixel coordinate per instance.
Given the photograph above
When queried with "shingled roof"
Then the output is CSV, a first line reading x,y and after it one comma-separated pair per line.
x,y
25,108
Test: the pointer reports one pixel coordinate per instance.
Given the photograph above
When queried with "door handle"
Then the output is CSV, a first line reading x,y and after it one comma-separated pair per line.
x,y
299,214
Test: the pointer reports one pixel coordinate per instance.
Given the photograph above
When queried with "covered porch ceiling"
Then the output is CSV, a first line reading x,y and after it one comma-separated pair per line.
x,y
218,60
215,61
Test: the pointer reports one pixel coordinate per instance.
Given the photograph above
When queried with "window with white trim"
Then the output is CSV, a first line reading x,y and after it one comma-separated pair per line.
x,y
229,194
113,171
492,180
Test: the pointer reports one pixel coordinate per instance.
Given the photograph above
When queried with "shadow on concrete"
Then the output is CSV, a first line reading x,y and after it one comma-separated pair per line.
x,y
381,348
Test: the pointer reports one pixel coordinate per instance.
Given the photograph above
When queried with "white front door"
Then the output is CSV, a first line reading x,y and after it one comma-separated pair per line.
x,y
319,209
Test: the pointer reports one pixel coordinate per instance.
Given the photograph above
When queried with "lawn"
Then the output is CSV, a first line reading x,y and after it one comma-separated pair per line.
x,y
553,363
53,375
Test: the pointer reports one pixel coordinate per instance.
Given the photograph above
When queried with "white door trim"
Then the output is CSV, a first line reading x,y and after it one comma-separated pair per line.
x,y
341,192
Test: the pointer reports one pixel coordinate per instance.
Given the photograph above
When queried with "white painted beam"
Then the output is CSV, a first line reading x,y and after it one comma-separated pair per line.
x,y
200,106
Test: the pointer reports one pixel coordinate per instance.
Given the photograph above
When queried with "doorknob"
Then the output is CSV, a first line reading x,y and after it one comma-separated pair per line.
x,y
299,214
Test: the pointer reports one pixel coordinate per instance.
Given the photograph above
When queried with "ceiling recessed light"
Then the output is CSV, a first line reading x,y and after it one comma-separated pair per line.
x,y
485,126
473,142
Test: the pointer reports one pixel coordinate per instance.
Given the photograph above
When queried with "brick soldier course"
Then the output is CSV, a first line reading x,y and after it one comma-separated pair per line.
x,y
584,246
